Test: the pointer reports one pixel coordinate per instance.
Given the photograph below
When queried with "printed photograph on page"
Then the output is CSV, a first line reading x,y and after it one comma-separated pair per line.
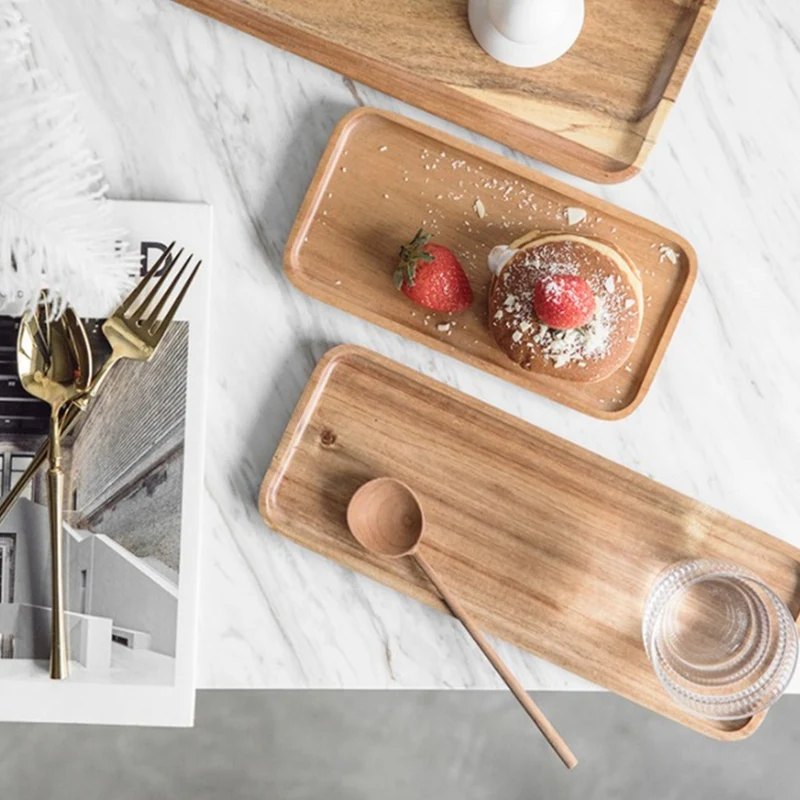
x,y
123,468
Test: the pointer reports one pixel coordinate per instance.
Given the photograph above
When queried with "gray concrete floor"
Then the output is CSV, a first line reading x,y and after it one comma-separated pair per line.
x,y
393,745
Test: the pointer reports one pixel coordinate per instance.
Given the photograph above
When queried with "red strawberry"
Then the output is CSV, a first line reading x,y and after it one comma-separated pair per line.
x,y
429,274
563,301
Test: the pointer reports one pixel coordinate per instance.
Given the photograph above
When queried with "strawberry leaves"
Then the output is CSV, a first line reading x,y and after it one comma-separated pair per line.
x,y
411,255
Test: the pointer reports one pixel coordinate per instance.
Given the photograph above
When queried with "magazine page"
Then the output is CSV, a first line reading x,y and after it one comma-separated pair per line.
x,y
133,467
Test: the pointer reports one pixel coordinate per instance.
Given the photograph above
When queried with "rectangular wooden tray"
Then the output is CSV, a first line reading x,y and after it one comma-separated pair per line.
x,y
596,112
383,176
551,547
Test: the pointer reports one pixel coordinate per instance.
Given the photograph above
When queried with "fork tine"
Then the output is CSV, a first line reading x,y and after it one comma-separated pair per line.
x,y
137,315
164,324
150,322
134,295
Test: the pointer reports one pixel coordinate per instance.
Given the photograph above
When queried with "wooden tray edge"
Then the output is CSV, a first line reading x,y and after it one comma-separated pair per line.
x,y
311,199
305,406
316,384
654,122
526,137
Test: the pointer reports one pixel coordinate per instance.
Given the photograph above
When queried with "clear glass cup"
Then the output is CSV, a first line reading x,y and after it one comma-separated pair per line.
x,y
721,642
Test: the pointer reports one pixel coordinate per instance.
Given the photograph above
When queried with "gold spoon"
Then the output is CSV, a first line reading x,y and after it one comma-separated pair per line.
x,y
54,362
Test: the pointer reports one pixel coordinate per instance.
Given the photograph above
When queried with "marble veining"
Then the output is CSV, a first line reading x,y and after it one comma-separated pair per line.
x,y
179,107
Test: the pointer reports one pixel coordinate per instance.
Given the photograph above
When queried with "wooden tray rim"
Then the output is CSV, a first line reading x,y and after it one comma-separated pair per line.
x,y
527,137
304,410
305,217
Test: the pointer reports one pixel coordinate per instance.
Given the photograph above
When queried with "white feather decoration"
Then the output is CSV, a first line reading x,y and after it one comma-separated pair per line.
x,y
55,228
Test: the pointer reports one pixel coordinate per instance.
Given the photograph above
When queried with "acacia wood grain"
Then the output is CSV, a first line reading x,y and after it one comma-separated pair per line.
x,y
383,176
596,111
547,545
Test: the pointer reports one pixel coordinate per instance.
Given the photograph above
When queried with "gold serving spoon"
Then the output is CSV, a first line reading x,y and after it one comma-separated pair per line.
x,y
54,362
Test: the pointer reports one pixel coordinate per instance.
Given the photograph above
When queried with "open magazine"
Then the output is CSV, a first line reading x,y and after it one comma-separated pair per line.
x,y
132,498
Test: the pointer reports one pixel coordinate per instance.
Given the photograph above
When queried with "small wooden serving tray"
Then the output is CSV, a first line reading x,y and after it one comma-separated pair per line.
x,y
596,112
383,176
549,546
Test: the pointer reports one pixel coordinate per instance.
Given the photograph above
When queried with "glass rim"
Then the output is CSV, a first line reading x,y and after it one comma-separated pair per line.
x,y
706,705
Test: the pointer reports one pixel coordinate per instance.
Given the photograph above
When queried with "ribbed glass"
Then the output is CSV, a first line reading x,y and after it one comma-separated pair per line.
x,y
721,642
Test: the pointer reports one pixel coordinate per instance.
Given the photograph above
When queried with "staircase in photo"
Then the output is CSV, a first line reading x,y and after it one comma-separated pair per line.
x,y
122,612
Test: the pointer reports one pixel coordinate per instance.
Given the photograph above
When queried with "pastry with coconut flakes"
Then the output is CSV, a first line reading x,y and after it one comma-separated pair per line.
x,y
565,305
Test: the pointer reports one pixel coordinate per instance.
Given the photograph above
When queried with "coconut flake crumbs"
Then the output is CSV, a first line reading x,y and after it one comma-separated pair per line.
x,y
630,303
575,215
577,344
444,327
666,252
480,208
609,284
561,361
383,148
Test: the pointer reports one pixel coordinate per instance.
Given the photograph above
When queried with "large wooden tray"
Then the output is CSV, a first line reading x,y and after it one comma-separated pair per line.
x,y
596,112
551,547
382,176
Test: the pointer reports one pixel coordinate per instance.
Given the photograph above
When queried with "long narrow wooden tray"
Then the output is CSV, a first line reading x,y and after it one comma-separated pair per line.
x,y
551,547
596,112
383,176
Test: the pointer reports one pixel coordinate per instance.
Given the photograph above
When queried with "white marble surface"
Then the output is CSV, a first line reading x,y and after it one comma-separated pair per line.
x,y
182,108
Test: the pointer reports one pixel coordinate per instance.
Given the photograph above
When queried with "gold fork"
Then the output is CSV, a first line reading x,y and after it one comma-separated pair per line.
x,y
133,333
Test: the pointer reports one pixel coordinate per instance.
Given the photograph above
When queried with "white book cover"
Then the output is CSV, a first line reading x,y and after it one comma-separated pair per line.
x,y
133,493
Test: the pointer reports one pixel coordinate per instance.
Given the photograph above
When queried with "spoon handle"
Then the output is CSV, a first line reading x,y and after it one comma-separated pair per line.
x,y
67,421
534,712
59,667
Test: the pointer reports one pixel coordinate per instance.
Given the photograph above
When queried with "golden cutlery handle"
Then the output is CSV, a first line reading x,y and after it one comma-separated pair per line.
x,y
70,415
59,657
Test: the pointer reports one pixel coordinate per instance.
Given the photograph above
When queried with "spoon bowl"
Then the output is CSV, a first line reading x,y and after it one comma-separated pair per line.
x,y
53,357
385,517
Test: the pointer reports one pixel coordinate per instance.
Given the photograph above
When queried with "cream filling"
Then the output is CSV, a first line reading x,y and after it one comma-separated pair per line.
x,y
500,256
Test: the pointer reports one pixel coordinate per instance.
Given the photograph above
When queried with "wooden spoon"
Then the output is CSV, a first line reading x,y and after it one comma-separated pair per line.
x,y
386,518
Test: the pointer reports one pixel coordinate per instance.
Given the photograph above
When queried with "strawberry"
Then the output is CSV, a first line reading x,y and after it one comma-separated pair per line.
x,y
430,275
563,301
